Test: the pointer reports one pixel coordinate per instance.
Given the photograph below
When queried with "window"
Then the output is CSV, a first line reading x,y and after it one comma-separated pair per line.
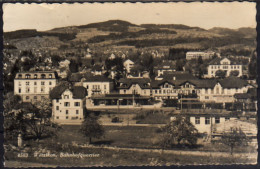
x,y
57,100
217,90
105,86
67,104
43,76
124,91
27,76
49,83
217,120
67,111
50,76
67,117
42,83
197,120
20,84
156,91
57,117
27,97
42,90
19,76
35,83
207,120
19,90
206,91
27,83
77,111
35,97
35,76
57,107
77,104
227,118
206,97
66,96
27,90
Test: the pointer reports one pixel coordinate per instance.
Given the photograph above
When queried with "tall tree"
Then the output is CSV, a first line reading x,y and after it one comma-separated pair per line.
x,y
180,130
233,138
91,128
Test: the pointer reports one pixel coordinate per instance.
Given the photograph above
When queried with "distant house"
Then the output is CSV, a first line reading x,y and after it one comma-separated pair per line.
x,y
164,67
112,56
195,55
97,85
34,85
223,64
68,104
128,64
64,63
97,70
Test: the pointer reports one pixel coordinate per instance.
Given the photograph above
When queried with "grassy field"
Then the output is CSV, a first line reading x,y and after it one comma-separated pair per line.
x,y
127,136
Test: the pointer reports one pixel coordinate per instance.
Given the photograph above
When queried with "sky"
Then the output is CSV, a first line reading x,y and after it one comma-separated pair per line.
x,y
205,15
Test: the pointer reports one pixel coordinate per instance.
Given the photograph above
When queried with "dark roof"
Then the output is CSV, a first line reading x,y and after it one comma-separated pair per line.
x,y
179,75
97,68
230,82
79,92
233,82
242,96
75,77
97,78
126,83
216,61
165,65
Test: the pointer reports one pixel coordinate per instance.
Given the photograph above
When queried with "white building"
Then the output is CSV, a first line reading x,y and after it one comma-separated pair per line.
x,y
33,86
68,104
128,64
139,86
97,85
223,64
196,55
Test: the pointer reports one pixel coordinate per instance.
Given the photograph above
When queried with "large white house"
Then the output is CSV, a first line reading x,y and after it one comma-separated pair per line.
x,y
223,64
136,86
97,85
128,64
196,54
68,104
33,86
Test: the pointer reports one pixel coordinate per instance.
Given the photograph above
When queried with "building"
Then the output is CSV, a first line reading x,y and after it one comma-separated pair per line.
x,y
224,64
35,85
164,67
128,64
97,85
140,86
97,70
68,104
195,55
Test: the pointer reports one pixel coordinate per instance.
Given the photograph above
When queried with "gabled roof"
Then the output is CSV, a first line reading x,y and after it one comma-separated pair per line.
x,y
165,65
217,61
233,82
178,75
126,83
79,92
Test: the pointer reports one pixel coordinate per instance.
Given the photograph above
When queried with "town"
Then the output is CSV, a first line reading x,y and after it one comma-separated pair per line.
x,y
129,99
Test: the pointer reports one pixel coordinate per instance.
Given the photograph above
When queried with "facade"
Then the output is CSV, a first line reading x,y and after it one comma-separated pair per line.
x,y
97,85
33,86
140,86
196,55
128,64
164,67
223,64
68,104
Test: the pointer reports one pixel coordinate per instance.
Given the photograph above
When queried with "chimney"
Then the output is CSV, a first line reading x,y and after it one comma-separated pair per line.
x,y
174,78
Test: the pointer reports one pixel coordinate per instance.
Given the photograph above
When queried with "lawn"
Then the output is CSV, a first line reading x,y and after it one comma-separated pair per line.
x,y
127,136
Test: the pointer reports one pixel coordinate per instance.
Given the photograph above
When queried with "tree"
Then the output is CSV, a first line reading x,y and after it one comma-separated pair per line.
x,y
180,130
220,73
252,67
56,60
200,61
91,127
234,73
11,101
236,137
92,62
73,66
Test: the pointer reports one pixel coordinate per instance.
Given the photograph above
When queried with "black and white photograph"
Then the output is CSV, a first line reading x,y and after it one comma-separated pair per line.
x,y
129,84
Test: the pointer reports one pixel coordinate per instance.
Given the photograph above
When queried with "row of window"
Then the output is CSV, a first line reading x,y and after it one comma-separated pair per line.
x,y
34,97
207,120
67,104
226,67
67,117
35,83
28,76
27,90
66,111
